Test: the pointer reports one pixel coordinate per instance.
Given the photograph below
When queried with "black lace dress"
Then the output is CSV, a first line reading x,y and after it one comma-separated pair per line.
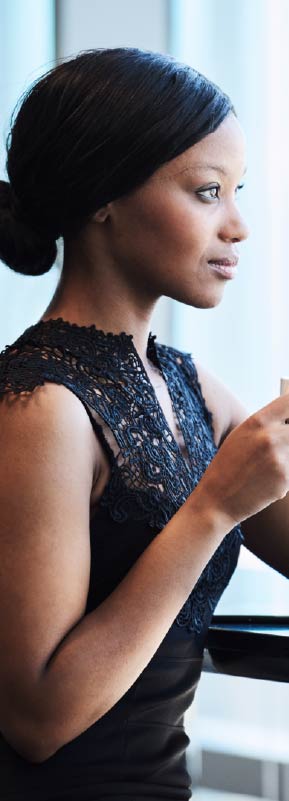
x,y
137,750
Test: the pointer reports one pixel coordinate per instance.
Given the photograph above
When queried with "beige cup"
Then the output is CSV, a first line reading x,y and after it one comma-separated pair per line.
x,y
284,386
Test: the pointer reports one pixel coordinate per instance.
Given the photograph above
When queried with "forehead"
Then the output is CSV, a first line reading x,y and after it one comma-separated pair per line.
x,y
223,150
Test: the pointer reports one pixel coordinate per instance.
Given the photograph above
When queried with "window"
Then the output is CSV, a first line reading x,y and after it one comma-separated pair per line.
x,y
243,47
27,50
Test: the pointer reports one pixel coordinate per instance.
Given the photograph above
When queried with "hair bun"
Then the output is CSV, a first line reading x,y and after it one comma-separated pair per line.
x,y
22,248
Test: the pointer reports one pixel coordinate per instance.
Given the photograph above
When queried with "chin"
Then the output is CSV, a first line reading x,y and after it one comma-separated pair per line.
x,y
205,301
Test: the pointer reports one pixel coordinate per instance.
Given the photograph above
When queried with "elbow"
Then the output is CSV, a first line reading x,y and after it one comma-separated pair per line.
x,y
37,748
31,743
37,751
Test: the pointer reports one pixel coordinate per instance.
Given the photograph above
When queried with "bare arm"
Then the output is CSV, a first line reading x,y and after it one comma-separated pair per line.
x,y
267,535
267,532
49,649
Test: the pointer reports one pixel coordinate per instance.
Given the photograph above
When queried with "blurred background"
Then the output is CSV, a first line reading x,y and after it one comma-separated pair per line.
x,y
239,728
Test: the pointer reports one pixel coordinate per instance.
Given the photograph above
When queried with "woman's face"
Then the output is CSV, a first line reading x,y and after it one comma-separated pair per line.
x,y
167,234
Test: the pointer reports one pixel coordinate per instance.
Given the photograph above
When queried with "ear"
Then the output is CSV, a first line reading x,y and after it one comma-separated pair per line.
x,y
101,214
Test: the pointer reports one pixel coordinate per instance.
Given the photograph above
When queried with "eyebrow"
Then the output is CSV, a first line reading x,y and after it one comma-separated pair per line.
x,y
206,166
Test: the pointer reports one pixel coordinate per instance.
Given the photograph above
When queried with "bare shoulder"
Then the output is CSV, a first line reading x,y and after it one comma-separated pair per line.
x,y
51,410
50,406
228,412
46,475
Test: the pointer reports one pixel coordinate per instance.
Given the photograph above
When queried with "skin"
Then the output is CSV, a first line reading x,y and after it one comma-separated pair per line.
x,y
157,241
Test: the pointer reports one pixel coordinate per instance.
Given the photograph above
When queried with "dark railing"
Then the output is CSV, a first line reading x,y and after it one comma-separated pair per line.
x,y
256,647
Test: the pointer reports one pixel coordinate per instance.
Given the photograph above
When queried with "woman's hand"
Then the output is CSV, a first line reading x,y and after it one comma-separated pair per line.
x,y
251,469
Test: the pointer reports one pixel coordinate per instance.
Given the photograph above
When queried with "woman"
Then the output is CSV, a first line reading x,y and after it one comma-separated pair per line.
x,y
120,512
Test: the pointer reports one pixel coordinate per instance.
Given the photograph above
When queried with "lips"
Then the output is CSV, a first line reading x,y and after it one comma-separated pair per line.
x,y
225,262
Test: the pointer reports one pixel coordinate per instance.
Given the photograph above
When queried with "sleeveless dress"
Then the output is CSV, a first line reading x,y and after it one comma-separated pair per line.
x,y
137,750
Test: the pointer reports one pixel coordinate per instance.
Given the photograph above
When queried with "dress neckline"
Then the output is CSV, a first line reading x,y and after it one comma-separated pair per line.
x,y
153,353
92,329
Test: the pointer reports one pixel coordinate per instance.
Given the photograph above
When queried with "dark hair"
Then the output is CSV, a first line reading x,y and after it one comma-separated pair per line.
x,y
90,130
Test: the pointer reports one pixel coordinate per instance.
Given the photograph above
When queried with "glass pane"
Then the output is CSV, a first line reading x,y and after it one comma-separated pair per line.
x,y
255,592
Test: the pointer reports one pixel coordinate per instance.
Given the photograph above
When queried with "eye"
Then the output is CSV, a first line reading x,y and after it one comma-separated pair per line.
x,y
208,194
211,193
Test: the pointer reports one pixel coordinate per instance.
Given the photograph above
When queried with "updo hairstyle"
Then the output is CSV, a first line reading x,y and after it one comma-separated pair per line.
x,y
90,130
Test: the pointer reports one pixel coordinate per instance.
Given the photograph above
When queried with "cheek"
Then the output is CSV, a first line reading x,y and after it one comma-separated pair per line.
x,y
170,223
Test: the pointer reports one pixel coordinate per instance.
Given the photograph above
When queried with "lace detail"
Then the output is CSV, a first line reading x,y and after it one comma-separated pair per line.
x,y
206,593
197,426
150,479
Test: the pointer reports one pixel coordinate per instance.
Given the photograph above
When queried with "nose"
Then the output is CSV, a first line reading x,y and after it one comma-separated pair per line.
x,y
234,227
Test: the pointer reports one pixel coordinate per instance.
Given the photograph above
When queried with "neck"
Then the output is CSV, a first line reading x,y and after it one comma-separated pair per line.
x,y
95,297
